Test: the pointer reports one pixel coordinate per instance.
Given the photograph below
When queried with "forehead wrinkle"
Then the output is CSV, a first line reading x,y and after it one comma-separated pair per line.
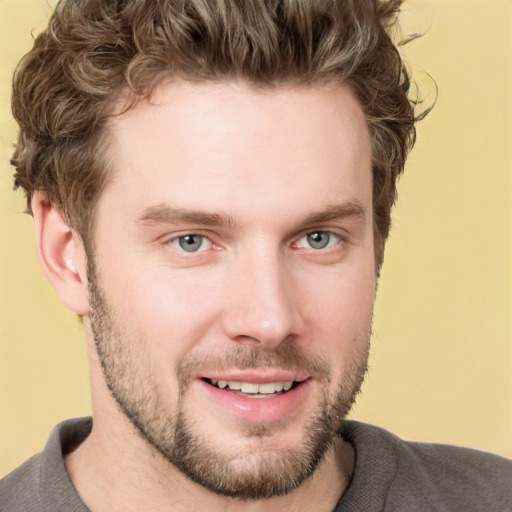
x,y
166,214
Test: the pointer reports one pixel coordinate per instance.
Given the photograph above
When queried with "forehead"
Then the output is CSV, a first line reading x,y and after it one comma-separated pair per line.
x,y
206,144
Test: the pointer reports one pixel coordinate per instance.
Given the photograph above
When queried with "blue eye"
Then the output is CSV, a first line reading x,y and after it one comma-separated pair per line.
x,y
191,242
319,240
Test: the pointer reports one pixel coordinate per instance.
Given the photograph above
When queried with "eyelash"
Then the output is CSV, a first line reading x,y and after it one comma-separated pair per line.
x,y
332,240
178,241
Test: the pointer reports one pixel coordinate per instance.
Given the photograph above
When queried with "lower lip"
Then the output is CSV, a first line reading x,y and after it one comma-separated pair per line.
x,y
266,409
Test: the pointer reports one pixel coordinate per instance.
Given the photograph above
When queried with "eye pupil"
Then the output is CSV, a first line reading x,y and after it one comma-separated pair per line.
x,y
190,243
318,239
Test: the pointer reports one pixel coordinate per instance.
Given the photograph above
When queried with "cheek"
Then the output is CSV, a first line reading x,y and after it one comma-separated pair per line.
x,y
343,317
170,312
341,306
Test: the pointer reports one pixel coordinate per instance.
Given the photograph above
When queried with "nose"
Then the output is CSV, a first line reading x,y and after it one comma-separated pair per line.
x,y
262,305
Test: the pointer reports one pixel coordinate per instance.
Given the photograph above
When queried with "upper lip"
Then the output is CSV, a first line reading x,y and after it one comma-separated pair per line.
x,y
263,376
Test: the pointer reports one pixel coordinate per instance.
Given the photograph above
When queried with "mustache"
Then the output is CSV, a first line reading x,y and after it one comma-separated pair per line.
x,y
288,356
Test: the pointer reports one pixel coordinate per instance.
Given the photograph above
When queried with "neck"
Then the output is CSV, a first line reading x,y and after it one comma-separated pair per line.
x,y
114,472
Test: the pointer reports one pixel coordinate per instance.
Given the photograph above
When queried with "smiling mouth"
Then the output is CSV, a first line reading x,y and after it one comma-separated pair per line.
x,y
253,390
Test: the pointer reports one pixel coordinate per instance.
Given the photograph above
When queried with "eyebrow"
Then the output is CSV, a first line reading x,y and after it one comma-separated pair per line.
x,y
353,208
166,214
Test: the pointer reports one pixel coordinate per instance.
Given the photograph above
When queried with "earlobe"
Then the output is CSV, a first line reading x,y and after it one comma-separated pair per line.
x,y
61,255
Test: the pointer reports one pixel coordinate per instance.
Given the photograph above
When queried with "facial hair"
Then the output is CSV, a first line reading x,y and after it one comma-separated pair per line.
x,y
261,471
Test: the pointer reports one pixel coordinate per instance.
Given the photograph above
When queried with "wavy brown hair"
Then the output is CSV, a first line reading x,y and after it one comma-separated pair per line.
x,y
93,51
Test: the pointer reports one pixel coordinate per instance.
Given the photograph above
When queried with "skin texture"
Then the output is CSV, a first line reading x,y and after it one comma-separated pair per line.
x,y
260,178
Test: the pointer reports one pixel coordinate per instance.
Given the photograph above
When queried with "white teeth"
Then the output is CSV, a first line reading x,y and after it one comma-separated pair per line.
x,y
279,386
267,389
251,388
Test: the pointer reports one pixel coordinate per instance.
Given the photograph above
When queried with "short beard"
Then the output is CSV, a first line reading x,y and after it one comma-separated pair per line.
x,y
259,472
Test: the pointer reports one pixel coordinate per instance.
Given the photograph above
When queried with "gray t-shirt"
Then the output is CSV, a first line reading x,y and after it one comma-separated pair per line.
x,y
390,475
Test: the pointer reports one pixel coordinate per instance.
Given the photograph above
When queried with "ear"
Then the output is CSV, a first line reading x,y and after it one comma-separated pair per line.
x,y
61,255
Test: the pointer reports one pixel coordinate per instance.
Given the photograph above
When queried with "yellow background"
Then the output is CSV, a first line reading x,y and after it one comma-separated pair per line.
x,y
441,365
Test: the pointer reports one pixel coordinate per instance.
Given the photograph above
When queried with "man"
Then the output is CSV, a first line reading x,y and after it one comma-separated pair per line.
x,y
211,184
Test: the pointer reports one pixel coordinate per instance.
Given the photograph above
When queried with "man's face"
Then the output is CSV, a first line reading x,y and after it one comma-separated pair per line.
x,y
233,259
